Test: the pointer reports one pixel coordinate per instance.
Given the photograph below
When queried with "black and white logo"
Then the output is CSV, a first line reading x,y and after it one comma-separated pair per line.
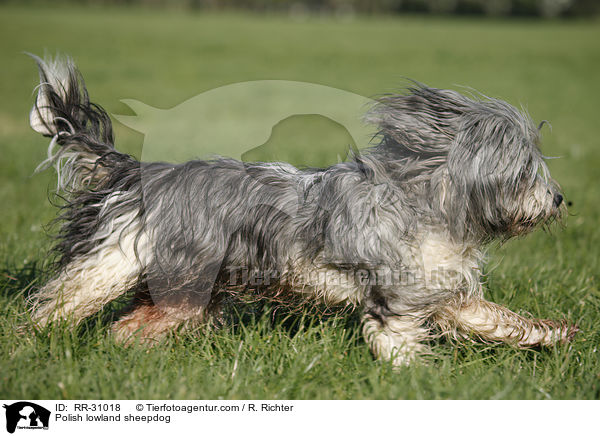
x,y
26,415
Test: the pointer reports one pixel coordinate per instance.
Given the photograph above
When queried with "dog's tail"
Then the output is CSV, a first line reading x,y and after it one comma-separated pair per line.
x,y
82,148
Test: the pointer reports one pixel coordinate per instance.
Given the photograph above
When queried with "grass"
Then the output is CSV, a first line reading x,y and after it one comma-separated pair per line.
x,y
163,59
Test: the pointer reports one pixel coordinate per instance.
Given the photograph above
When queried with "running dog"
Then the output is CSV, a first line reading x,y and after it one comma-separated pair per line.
x,y
398,231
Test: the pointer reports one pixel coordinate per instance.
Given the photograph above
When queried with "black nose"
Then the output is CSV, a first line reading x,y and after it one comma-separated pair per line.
x,y
557,199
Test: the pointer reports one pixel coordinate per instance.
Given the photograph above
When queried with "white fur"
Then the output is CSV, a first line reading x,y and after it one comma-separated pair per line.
x,y
87,284
41,118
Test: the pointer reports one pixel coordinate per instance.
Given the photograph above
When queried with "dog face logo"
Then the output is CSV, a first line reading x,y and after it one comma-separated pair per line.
x,y
26,415
231,120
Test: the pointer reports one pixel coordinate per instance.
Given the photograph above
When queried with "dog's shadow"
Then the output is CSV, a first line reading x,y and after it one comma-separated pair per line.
x,y
16,282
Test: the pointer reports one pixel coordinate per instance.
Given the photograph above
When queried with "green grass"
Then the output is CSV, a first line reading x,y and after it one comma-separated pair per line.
x,y
163,59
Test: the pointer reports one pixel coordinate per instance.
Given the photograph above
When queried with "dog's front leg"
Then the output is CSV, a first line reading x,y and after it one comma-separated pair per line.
x,y
493,322
396,338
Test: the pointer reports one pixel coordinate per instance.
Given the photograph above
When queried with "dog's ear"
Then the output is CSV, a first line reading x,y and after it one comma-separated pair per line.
x,y
420,122
493,157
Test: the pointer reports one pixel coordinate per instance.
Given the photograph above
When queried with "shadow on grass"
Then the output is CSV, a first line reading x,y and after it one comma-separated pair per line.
x,y
21,281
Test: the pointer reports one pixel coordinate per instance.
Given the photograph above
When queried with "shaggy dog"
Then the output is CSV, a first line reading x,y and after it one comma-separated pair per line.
x,y
398,231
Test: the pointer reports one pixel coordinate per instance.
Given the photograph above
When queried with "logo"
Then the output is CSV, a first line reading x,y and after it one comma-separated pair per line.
x,y
26,415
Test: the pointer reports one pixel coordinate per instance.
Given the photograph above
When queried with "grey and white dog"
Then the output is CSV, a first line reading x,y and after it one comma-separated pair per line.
x,y
398,231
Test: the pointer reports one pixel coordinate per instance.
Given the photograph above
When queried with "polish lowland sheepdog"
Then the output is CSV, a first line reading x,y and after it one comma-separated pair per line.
x,y
398,231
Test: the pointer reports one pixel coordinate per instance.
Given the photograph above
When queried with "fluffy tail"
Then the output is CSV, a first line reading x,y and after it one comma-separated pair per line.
x,y
91,173
82,137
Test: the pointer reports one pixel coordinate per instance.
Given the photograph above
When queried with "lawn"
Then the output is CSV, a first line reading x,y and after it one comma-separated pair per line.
x,y
164,58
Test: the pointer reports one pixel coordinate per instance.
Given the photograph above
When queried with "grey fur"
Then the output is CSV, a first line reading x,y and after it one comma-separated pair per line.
x,y
466,169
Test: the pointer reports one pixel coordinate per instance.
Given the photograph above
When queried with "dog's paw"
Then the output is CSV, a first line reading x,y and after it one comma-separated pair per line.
x,y
563,332
571,331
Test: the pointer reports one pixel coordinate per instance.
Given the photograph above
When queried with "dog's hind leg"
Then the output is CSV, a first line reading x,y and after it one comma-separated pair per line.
x,y
89,282
395,338
495,323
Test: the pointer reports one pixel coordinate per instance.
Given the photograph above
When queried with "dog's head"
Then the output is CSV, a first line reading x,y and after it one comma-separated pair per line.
x,y
477,158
